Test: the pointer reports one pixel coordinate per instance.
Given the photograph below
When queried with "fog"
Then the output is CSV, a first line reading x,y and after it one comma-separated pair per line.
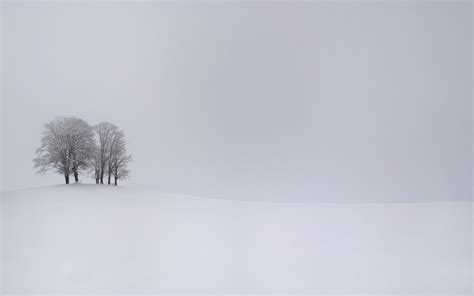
x,y
258,101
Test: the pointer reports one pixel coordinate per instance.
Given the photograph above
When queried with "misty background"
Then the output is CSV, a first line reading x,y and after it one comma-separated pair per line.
x,y
257,101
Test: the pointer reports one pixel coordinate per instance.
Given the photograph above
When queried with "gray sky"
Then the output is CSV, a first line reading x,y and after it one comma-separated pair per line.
x,y
256,101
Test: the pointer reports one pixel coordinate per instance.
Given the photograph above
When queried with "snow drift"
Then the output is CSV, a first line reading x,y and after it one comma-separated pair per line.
x,y
97,239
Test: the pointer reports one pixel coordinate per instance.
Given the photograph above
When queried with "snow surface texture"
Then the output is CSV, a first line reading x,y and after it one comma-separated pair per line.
x,y
97,239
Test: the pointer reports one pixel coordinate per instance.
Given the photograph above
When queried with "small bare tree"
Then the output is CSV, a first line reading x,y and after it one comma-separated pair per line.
x,y
118,158
120,167
104,132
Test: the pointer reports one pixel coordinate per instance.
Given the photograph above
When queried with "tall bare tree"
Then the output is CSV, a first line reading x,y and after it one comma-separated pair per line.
x,y
66,145
82,144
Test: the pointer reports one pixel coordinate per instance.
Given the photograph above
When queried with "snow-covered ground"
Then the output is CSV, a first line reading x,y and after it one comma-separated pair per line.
x,y
80,239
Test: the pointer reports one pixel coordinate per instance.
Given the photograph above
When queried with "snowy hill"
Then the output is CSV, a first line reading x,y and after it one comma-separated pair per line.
x,y
98,239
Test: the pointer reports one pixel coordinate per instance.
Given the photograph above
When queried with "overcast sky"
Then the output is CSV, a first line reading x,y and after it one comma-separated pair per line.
x,y
255,101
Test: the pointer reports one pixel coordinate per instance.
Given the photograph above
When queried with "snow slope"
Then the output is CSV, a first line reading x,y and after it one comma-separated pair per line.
x,y
96,239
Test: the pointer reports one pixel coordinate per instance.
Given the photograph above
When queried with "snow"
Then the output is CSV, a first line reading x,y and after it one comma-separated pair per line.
x,y
93,239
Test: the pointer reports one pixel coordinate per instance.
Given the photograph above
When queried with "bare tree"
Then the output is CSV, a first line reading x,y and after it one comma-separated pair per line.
x,y
115,138
120,167
82,144
118,158
65,147
104,131
53,154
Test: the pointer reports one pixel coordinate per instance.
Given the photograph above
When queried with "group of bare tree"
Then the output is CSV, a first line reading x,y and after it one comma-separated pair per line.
x,y
70,146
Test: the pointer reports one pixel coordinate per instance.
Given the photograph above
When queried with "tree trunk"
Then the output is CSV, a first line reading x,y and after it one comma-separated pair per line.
x,y
96,175
109,175
115,181
102,174
66,178
76,176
